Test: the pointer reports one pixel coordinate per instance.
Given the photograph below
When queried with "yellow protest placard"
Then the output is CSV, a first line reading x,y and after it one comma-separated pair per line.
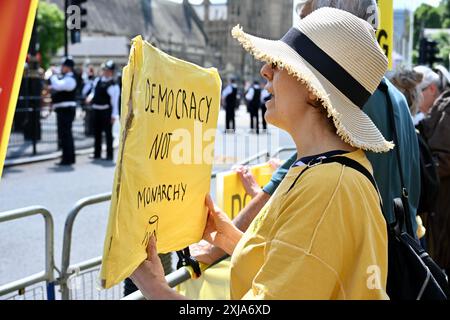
x,y
230,193
169,118
385,32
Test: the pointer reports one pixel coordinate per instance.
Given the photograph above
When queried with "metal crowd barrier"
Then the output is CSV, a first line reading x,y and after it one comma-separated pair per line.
x,y
47,275
68,271
72,272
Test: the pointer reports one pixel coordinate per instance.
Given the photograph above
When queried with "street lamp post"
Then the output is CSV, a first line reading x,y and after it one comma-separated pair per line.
x,y
66,40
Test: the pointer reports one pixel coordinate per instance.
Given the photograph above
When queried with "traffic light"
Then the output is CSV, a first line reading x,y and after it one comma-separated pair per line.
x,y
428,52
433,52
78,23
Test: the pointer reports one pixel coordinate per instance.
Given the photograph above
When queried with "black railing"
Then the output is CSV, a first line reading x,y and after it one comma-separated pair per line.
x,y
34,130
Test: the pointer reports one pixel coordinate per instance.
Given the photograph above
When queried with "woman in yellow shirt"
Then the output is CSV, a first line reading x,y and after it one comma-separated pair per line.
x,y
322,235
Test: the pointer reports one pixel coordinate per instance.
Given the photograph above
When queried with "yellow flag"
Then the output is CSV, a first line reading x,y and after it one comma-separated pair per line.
x,y
385,32
169,119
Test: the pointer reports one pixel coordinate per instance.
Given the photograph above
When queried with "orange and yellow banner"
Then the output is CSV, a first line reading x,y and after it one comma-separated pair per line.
x,y
16,24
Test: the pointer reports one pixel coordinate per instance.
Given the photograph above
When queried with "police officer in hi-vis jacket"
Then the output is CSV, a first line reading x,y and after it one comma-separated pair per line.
x,y
104,99
63,90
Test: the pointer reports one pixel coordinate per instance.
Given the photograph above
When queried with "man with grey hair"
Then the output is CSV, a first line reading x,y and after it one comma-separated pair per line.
x,y
385,166
430,88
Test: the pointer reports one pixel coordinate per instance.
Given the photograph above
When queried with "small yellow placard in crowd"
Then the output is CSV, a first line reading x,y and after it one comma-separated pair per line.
x,y
230,192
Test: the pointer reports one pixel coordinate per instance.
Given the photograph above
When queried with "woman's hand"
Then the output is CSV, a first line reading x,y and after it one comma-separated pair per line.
x,y
205,252
275,163
248,180
220,230
149,277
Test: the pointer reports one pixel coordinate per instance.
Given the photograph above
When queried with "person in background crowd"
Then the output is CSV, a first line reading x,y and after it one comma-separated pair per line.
x,y
88,82
105,105
88,85
253,98
408,82
230,101
435,127
377,109
119,83
265,96
430,88
63,89
444,75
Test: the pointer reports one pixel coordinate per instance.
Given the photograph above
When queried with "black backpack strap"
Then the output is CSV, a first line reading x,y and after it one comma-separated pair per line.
x,y
404,192
345,162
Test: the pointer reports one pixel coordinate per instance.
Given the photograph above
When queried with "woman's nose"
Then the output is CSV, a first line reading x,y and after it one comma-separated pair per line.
x,y
266,72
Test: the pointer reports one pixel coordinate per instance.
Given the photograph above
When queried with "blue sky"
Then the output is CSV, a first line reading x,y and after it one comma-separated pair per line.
x,y
414,3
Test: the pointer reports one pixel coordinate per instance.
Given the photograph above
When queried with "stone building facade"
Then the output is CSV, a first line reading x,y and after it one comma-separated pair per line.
x,y
197,33
265,18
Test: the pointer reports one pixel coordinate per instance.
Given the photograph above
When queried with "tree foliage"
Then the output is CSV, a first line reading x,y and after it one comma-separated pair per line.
x,y
427,16
50,30
443,40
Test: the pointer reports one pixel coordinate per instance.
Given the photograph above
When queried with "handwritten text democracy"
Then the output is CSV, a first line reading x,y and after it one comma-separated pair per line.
x,y
178,103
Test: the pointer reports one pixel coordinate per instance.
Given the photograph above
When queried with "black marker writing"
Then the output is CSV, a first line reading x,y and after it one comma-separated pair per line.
x,y
182,103
152,228
160,147
160,193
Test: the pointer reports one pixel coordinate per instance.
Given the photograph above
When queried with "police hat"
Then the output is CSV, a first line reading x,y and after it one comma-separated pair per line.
x,y
109,65
68,62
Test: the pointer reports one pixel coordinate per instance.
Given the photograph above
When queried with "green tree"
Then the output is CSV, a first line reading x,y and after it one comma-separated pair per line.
x,y
426,16
50,29
443,40
445,9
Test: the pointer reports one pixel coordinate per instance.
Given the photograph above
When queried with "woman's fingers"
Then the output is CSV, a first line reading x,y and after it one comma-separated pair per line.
x,y
152,251
212,207
209,202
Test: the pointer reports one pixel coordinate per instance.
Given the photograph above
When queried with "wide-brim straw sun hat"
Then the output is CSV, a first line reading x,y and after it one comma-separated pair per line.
x,y
337,56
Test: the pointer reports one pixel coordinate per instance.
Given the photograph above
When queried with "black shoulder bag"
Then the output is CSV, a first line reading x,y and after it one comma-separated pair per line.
x,y
412,274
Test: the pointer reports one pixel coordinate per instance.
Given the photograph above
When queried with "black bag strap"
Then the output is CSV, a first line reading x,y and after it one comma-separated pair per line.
x,y
185,259
345,162
404,192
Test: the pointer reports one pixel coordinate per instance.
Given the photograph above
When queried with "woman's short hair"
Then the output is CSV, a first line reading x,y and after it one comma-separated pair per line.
x,y
408,81
364,9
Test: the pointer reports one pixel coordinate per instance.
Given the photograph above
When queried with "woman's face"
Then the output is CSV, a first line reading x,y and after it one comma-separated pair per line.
x,y
289,98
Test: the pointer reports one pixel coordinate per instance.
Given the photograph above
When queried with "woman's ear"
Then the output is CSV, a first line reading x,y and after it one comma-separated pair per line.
x,y
313,100
312,96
